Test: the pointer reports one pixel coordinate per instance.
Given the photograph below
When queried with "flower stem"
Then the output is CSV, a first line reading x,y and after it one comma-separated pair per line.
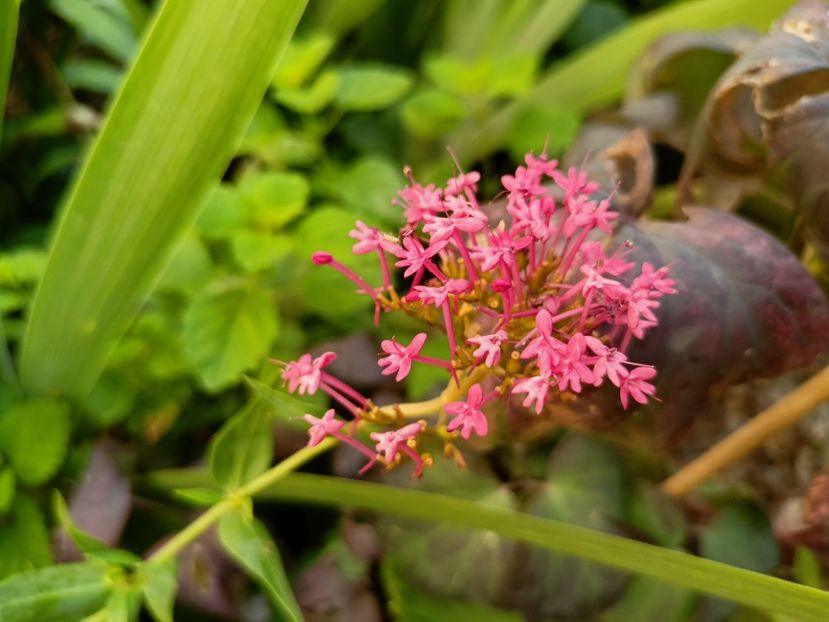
x,y
784,413
205,521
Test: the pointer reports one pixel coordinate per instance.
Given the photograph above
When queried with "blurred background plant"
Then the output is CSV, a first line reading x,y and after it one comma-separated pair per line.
x,y
363,89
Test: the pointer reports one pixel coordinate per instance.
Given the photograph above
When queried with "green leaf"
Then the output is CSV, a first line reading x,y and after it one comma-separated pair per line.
x,y
23,266
56,594
104,24
160,584
224,213
455,75
249,543
85,542
92,75
430,113
807,568
7,489
275,198
227,333
668,566
311,99
645,599
371,86
741,536
24,540
367,187
407,605
243,448
8,35
538,126
165,142
598,19
190,268
111,400
123,605
512,75
256,250
302,59
35,436
199,496
595,76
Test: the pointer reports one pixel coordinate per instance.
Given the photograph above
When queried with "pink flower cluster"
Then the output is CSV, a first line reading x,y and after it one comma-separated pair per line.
x,y
532,305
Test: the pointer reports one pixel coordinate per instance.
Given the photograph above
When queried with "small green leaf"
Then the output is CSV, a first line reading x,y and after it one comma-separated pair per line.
x,y
372,86
741,536
160,589
24,540
190,268
512,75
63,593
111,400
431,112
302,58
35,437
807,568
249,543
227,333
256,250
7,489
92,75
367,187
199,496
535,127
23,266
85,542
458,76
311,99
104,24
225,212
645,599
275,198
123,605
243,448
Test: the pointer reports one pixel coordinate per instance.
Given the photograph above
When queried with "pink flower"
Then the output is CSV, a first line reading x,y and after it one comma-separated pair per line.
x,y
398,357
540,165
420,200
573,369
369,239
575,182
546,349
392,443
414,257
437,296
489,347
635,383
525,182
305,374
501,249
608,362
653,281
464,181
320,428
468,415
536,389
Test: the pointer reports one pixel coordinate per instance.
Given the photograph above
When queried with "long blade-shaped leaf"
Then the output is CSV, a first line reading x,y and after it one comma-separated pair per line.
x,y
9,10
798,602
172,130
596,75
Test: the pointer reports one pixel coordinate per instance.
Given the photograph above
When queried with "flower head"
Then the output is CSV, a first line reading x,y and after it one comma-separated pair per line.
x,y
305,374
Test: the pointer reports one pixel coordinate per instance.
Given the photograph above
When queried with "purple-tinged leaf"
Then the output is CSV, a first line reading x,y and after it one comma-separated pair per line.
x,y
100,505
746,307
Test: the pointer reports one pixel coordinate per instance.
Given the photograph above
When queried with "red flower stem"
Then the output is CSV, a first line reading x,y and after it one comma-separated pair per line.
x,y
340,398
565,265
353,276
472,274
384,266
432,361
341,386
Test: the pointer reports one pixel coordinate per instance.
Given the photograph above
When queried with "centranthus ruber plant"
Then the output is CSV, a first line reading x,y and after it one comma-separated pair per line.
x,y
534,308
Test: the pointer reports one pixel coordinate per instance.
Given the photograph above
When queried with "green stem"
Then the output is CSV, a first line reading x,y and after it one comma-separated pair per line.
x,y
205,521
